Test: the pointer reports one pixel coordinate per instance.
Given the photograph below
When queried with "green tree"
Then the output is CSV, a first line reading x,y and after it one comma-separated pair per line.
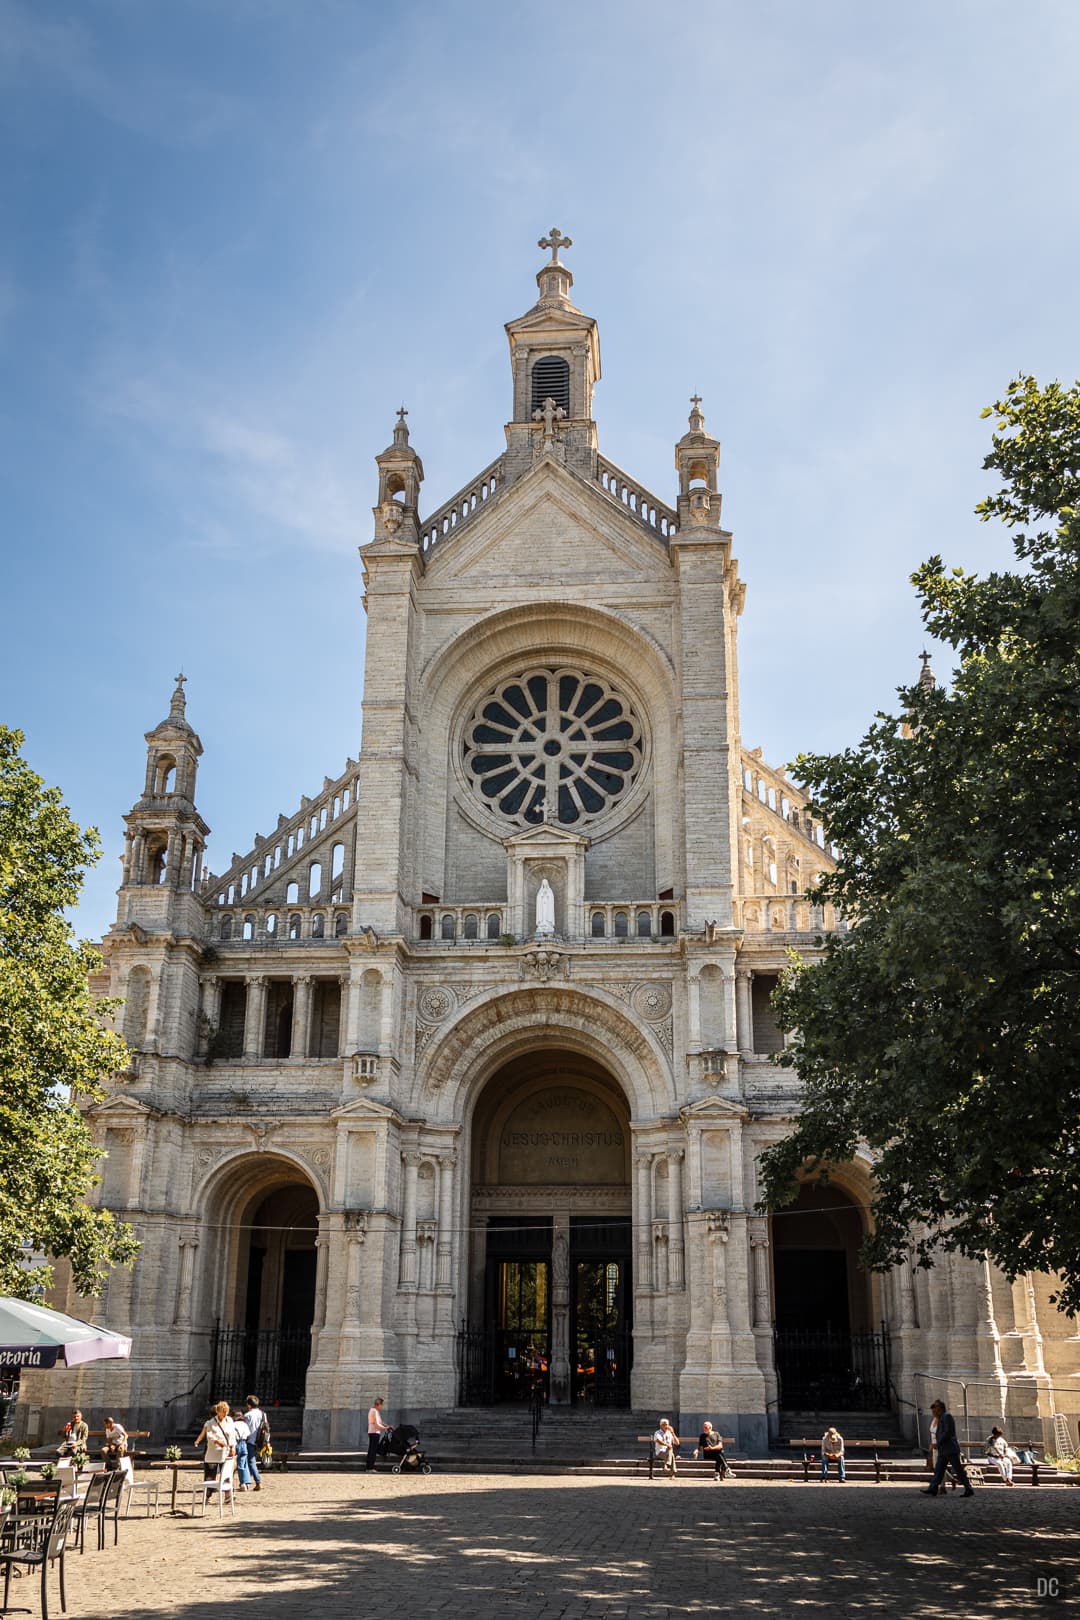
x,y
54,1049
943,1030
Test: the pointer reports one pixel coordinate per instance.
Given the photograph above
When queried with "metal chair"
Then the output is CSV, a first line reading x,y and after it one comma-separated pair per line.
x,y
91,1505
51,1544
110,1507
152,1488
221,1487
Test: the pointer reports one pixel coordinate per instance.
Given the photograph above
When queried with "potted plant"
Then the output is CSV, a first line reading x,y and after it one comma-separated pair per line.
x,y
172,1453
21,1454
48,1470
8,1497
81,1459
19,1478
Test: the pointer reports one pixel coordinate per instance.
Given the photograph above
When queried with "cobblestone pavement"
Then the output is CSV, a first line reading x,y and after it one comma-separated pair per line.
x,y
331,1546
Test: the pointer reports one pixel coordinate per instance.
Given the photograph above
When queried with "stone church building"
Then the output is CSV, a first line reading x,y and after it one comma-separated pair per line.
x,y
456,1081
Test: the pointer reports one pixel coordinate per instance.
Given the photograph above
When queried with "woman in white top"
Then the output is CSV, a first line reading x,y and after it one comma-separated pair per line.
x,y
220,1439
1001,1454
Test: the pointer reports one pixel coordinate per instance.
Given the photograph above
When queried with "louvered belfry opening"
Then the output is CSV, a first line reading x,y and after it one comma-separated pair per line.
x,y
551,380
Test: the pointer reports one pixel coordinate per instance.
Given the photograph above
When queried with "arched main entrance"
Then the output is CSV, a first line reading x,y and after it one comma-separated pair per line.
x,y
262,1337
831,1355
550,1291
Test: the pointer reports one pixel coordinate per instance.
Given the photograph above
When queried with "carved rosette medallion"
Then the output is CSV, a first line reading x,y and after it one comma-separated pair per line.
x,y
435,1003
651,1001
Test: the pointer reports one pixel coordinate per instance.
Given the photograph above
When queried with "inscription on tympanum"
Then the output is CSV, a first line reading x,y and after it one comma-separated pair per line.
x,y
562,1136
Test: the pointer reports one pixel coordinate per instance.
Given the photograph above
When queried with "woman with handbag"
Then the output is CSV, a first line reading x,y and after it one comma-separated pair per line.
x,y
217,1431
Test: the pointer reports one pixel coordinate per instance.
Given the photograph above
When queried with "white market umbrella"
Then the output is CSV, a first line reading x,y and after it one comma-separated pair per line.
x,y
34,1336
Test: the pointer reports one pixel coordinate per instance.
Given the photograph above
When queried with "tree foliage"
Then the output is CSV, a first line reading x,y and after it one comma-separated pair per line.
x,y
54,1048
943,1030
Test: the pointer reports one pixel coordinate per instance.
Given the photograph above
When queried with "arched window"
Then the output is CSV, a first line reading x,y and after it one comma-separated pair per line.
x,y
341,925
622,925
337,865
472,926
425,926
155,860
249,928
644,925
494,925
292,894
294,926
226,928
597,925
166,774
318,925
551,380
448,926
667,925
138,1000
271,923
314,882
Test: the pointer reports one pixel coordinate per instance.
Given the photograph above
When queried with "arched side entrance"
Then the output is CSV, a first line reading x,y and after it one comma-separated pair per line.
x,y
831,1353
267,1215
550,1282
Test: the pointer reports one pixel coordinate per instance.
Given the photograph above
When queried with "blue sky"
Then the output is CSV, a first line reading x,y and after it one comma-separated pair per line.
x,y
236,236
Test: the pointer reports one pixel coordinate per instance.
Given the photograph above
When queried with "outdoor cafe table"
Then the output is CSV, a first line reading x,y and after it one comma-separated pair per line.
x,y
185,1462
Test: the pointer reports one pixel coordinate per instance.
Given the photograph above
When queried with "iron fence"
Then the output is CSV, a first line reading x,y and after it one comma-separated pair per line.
x,y
827,1371
271,1363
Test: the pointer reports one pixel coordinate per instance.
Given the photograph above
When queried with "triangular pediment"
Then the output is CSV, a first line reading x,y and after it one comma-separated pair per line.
x,y
720,1110
551,524
365,1109
546,836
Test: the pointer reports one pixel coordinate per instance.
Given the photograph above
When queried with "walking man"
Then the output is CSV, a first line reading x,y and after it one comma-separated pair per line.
x,y
948,1452
376,1428
255,1418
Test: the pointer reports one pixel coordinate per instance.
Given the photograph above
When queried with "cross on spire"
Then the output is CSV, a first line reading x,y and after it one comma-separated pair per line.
x,y
402,413
181,678
555,240
695,400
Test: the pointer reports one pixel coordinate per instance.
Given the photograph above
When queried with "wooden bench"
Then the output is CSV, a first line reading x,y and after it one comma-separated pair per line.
x,y
647,1440
809,1447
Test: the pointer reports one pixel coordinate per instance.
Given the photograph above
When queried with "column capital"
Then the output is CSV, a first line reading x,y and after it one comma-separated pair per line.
x,y
676,1155
254,978
302,978
413,1160
744,973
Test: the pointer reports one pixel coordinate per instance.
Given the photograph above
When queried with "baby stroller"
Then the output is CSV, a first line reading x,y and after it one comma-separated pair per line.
x,y
404,1444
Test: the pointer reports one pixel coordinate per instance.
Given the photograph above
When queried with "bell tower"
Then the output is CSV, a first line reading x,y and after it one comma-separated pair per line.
x,y
555,362
166,836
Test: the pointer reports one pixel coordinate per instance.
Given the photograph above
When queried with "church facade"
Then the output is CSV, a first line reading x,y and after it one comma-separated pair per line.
x,y
455,1083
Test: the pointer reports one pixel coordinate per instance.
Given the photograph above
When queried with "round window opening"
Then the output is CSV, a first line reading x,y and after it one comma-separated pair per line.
x,y
553,745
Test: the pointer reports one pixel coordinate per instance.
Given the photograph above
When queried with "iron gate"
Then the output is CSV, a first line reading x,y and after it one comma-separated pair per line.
x,y
269,1362
825,1371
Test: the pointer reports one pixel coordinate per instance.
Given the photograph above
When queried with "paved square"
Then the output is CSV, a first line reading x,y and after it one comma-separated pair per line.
x,y
330,1546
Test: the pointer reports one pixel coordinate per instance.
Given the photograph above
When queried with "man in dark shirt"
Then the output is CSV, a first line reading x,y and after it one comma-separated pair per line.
x,y
711,1446
948,1452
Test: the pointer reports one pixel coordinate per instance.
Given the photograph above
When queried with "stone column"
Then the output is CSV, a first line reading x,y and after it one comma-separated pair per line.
x,y
138,858
759,1252
211,1012
407,1277
660,1256
643,1219
356,1231
343,1005
676,1270
719,1230
301,1015
559,1393
693,996
254,1015
905,1290
443,1278
322,1261
425,1249
743,1012
189,1248
1027,1321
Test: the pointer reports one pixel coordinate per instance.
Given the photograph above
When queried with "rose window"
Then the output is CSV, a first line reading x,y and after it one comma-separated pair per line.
x,y
552,745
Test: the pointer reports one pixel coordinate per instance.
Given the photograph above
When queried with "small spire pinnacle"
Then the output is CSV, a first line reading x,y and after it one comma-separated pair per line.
x,y
927,679
401,430
179,703
697,420
555,240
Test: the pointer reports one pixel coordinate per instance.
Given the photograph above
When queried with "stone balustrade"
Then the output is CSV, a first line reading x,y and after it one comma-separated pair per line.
x,y
636,498
462,506
487,924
